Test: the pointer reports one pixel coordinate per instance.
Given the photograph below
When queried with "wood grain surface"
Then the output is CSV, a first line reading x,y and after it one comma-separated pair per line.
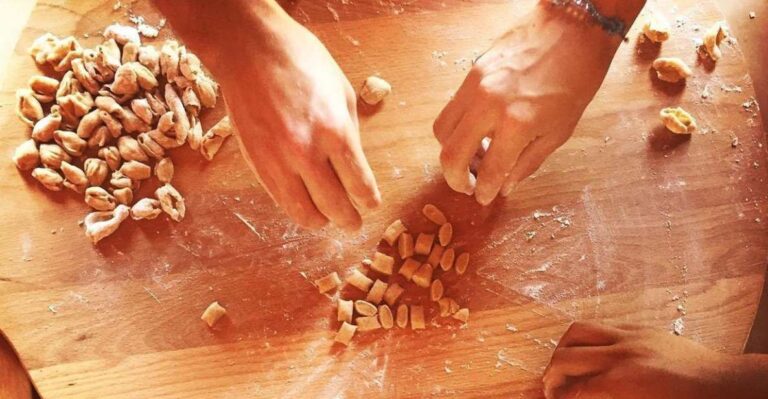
x,y
634,222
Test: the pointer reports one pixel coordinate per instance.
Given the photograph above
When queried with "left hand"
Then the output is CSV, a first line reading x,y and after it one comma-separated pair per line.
x,y
526,94
599,361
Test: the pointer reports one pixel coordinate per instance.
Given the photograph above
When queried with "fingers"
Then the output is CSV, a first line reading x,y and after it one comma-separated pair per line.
x,y
590,334
329,195
452,113
529,161
459,149
595,387
282,184
356,175
569,363
509,142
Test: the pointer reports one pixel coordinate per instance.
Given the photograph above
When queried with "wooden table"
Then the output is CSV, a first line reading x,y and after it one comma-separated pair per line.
x,y
632,222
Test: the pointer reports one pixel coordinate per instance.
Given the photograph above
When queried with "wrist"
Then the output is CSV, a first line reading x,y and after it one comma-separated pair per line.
x,y
626,10
215,29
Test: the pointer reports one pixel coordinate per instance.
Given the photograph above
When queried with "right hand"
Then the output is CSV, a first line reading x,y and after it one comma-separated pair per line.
x,y
296,115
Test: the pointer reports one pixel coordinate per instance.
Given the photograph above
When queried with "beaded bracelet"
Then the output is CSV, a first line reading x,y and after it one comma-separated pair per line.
x,y
584,10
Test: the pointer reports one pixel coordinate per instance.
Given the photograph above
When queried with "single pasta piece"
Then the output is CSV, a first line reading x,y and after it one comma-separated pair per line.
x,y
405,246
445,234
672,70
377,292
448,306
409,267
423,276
328,283
462,261
417,317
385,317
345,333
374,90
359,280
435,256
462,315
213,313
446,261
677,120
402,315
434,214
392,294
368,323
383,263
344,310
712,40
393,232
365,308
656,28
424,244
436,290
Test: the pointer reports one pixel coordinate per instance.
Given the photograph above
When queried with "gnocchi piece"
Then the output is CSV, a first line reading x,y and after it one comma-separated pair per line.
x,y
146,208
359,280
409,267
677,120
671,69
435,256
382,263
405,246
393,232
328,283
368,323
123,195
51,155
423,276
99,225
344,310
445,234
446,261
99,199
657,28
434,214
423,244
402,316
376,293
462,315
436,290
385,317
365,308
213,313
392,294
345,333
374,90
462,261
417,317
26,156
171,202
712,40
164,170
49,178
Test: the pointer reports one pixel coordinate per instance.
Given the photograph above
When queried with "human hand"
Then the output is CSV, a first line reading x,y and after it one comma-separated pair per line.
x,y
630,362
296,114
526,94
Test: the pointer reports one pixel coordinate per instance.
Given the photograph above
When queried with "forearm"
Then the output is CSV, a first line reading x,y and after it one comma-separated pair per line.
x,y
747,377
214,28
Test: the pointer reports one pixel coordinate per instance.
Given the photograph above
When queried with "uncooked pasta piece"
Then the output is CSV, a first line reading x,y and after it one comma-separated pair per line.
x,y
435,256
434,214
345,310
393,232
445,234
377,292
213,313
383,263
409,267
385,317
423,244
368,323
462,261
402,315
405,246
328,283
417,317
392,294
436,290
423,276
446,261
359,280
365,308
462,315
345,333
